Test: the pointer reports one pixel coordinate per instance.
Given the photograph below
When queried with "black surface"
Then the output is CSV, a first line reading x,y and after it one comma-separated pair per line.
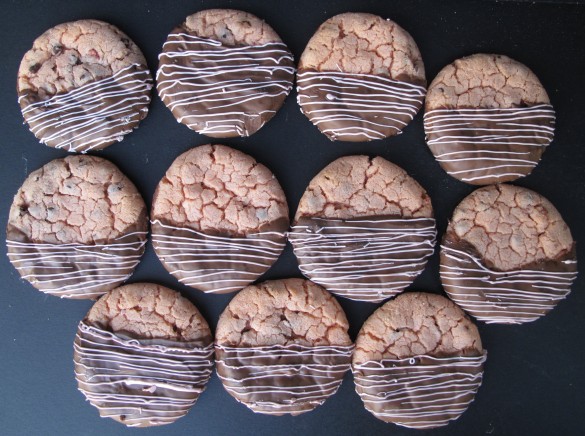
x,y
534,379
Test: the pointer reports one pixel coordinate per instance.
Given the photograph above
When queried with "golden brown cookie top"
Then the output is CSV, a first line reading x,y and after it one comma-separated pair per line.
x,y
359,186
283,312
72,54
511,227
359,43
77,199
485,81
417,323
219,189
231,27
149,311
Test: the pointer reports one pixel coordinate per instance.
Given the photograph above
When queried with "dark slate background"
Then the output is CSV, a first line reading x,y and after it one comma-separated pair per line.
x,y
534,379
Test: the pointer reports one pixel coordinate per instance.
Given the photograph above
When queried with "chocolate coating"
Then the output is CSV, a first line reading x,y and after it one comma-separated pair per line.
x,y
482,146
224,88
214,262
420,392
76,271
281,379
365,258
507,297
357,107
140,382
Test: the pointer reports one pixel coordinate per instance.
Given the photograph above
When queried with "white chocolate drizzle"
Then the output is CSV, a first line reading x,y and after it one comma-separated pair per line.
x,y
222,90
140,382
368,259
476,144
77,270
94,115
421,391
215,264
358,107
279,379
505,297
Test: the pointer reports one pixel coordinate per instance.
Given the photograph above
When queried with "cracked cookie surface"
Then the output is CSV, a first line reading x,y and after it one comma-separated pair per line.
x,y
359,43
359,186
149,311
214,188
417,323
511,227
231,27
486,81
77,199
70,55
283,312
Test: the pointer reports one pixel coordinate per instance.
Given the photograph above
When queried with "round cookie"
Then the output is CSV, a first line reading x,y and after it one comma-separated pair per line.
x,y
360,78
143,355
83,86
282,346
224,73
507,255
77,227
218,219
418,361
488,119
363,229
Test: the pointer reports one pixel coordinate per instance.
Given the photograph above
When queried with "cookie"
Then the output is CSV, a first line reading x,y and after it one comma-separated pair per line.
x,y
224,73
218,219
83,86
488,119
143,355
282,346
507,255
418,361
360,78
363,229
77,227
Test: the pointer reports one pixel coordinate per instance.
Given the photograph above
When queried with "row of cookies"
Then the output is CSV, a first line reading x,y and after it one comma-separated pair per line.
x,y
143,354
363,230
224,73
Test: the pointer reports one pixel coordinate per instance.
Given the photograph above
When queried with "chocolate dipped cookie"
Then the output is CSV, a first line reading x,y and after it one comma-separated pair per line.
x,y
218,219
224,73
143,355
83,86
360,78
282,346
77,227
363,229
488,119
507,255
418,361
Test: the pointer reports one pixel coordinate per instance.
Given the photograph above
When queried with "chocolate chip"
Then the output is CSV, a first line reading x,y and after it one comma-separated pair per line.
x,y
57,49
34,68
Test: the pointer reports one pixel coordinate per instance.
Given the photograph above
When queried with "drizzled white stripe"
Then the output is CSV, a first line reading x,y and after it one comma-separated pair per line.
x,y
359,105
419,392
86,117
364,259
79,268
508,297
501,139
266,387
215,263
223,80
150,384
